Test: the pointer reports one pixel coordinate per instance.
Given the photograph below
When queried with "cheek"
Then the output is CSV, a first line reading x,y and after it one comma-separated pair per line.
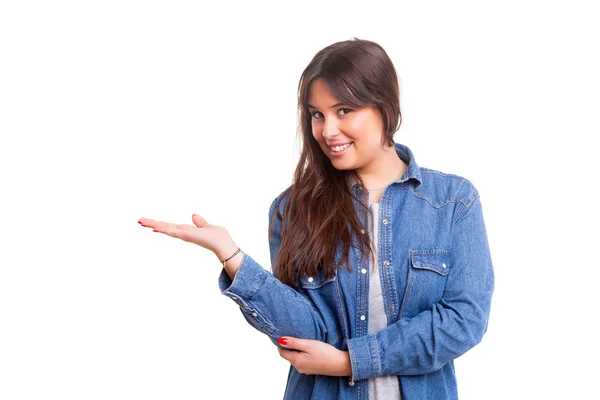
x,y
365,131
356,128
316,132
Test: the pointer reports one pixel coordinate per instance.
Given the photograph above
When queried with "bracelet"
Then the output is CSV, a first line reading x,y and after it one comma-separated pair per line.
x,y
233,255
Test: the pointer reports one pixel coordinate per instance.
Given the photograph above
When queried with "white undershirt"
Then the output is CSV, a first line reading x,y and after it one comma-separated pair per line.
x,y
385,387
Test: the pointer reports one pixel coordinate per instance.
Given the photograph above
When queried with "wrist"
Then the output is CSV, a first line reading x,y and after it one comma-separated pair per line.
x,y
226,250
232,256
347,365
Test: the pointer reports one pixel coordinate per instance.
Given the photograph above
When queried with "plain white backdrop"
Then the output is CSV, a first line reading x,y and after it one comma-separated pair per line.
x,y
116,110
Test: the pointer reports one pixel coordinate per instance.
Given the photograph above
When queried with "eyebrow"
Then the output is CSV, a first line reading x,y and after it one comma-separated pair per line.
x,y
335,105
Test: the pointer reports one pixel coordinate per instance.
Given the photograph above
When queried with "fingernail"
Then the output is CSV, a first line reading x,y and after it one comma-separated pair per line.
x,y
282,340
154,230
139,223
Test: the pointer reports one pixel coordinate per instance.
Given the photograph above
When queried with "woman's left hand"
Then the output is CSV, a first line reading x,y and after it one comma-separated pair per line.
x,y
314,357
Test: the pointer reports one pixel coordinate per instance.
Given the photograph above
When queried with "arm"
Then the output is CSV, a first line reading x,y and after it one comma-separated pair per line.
x,y
426,342
267,304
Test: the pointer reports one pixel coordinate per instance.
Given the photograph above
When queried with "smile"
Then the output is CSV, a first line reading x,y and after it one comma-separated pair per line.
x,y
340,150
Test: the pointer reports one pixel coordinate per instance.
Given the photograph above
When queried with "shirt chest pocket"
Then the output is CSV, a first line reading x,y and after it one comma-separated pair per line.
x,y
427,275
315,281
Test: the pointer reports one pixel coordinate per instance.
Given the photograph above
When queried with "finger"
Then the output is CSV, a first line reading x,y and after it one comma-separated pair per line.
x,y
154,224
199,221
294,343
179,231
288,355
145,222
150,223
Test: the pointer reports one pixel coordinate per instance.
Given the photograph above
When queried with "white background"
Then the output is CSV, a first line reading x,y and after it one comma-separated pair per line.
x,y
116,110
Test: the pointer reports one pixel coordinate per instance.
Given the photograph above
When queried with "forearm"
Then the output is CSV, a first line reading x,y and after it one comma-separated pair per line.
x,y
419,345
270,306
346,366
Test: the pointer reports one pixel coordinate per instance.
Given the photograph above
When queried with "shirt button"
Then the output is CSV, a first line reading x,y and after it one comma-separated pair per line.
x,y
362,231
310,279
234,298
385,221
364,270
362,317
392,309
444,265
386,263
254,314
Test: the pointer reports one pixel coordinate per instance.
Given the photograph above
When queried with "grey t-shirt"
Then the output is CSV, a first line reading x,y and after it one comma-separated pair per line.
x,y
386,387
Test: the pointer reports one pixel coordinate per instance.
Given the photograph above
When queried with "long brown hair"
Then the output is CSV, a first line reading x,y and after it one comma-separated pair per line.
x,y
319,216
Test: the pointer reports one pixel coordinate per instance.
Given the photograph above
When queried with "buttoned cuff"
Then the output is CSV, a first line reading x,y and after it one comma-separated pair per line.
x,y
247,280
364,357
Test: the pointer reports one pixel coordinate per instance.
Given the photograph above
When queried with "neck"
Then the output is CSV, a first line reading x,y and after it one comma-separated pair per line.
x,y
384,169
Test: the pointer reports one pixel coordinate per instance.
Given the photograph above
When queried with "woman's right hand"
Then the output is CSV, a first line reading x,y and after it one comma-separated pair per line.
x,y
212,237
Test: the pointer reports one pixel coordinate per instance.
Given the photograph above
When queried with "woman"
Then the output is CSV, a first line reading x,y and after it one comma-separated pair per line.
x,y
358,321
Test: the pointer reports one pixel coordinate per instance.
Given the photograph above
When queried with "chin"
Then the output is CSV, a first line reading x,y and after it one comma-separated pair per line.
x,y
342,165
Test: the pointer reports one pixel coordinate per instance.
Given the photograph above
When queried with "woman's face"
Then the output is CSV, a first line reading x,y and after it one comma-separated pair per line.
x,y
350,137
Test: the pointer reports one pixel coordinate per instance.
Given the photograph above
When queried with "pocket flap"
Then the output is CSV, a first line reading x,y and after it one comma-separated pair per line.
x,y
315,281
436,260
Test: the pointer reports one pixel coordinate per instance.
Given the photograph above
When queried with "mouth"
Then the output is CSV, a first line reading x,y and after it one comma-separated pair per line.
x,y
337,151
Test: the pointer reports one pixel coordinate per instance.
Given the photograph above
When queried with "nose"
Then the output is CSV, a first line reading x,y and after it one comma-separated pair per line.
x,y
330,128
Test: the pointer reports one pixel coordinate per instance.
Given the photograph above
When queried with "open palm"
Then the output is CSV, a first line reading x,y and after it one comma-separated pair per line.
x,y
211,237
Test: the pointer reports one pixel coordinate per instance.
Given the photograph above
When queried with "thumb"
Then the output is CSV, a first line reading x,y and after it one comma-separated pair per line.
x,y
293,343
199,221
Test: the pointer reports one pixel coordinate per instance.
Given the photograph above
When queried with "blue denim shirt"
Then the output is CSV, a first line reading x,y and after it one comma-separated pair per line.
x,y
437,282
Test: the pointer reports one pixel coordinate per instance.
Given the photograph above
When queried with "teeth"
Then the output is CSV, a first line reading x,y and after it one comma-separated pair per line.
x,y
340,148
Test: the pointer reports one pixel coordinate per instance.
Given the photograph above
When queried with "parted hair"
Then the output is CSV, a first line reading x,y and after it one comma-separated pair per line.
x,y
319,217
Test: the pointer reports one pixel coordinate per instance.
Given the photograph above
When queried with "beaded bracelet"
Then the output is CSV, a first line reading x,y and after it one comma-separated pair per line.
x,y
234,254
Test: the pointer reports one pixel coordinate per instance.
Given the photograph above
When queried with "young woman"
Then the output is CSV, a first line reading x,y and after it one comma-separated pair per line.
x,y
381,270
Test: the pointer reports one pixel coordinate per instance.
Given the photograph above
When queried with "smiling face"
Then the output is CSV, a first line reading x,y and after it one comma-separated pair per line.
x,y
349,136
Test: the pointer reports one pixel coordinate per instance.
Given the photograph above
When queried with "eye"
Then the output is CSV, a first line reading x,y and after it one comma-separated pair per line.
x,y
342,112
314,114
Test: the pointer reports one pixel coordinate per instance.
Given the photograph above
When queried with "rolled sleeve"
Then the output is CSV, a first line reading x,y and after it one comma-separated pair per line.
x,y
364,357
270,306
249,277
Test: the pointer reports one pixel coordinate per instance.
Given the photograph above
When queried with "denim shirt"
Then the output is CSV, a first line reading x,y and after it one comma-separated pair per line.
x,y
437,283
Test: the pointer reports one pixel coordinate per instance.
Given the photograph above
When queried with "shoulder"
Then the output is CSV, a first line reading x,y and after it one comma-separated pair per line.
x,y
442,188
279,202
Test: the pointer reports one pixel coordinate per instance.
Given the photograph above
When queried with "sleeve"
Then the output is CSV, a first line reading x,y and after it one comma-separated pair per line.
x,y
427,341
270,306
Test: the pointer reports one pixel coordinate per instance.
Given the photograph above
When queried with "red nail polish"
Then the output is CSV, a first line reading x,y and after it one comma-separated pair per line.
x,y
282,340
154,230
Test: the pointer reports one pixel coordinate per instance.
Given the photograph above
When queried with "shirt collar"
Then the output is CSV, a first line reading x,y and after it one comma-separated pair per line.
x,y
412,171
